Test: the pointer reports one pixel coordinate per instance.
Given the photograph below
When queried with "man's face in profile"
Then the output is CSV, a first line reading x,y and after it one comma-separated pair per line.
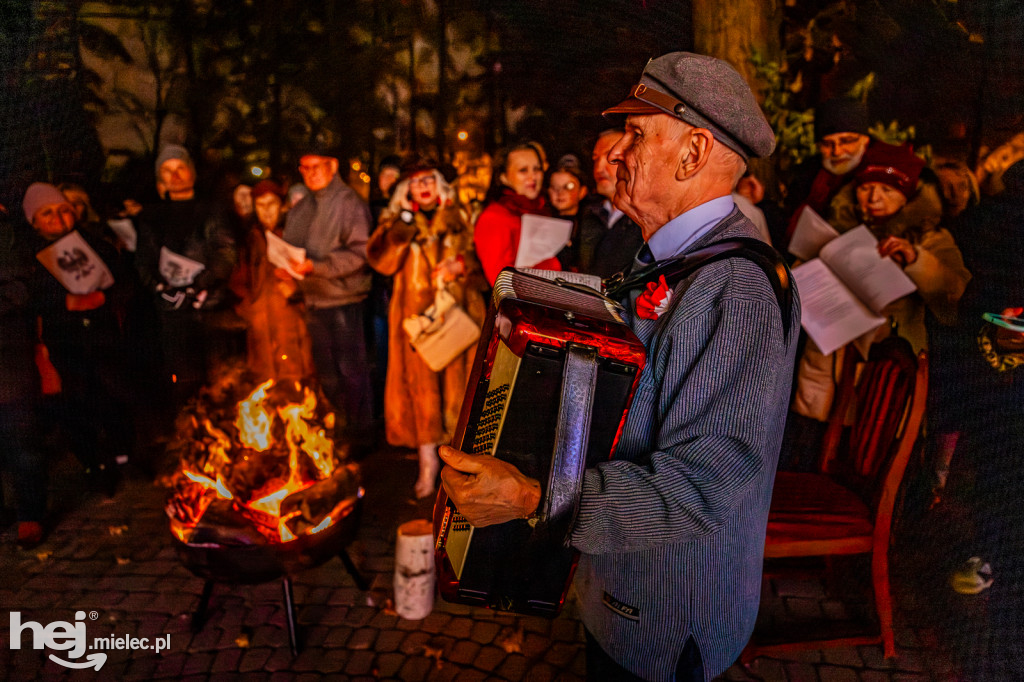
x,y
646,158
604,172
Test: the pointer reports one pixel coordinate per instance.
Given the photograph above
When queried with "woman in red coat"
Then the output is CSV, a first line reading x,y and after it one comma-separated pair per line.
x,y
521,173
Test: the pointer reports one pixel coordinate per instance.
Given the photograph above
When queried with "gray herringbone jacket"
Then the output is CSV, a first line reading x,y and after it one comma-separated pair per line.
x,y
672,530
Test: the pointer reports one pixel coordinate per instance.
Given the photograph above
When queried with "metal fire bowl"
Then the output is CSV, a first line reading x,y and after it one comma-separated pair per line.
x,y
253,564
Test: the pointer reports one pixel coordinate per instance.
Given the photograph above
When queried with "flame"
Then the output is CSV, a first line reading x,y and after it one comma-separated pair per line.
x,y
210,484
315,444
254,420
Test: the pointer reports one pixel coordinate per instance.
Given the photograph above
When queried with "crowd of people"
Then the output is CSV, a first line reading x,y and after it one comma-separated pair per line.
x,y
192,286
112,320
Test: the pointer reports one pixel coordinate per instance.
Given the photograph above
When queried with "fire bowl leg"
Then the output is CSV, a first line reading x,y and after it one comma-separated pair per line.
x,y
199,615
289,612
360,580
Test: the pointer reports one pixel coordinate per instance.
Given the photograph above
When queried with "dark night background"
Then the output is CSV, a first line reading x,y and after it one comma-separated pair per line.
x,y
953,70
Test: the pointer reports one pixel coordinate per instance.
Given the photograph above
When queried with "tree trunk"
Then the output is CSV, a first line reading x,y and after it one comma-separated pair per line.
x,y
732,30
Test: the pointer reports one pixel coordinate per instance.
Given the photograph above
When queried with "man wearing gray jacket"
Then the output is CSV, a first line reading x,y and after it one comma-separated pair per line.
x,y
672,529
333,224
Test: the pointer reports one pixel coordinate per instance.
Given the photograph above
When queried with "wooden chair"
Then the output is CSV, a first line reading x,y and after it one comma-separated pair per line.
x,y
847,506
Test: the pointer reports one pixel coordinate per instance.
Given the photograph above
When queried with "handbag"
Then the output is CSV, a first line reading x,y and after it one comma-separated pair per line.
x,y
1001,343
442,332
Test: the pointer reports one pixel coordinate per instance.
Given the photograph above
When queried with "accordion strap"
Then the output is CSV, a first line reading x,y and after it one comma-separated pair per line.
x,y
677,269
572,437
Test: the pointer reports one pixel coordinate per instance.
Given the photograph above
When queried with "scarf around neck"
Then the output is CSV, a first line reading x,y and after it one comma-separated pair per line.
x,y
519,204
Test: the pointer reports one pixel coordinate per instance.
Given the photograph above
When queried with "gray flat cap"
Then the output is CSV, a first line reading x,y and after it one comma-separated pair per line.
x,y
707,93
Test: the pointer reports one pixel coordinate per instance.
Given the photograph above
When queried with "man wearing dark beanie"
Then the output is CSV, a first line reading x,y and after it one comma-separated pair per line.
x,y
185,255
841,129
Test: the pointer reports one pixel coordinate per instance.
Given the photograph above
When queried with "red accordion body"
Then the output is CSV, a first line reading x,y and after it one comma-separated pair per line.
x,y
555,372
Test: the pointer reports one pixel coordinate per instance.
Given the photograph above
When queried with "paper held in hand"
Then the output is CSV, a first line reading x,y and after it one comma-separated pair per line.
x,y
283,255
75,265
844,291
177,270
541,238
124,228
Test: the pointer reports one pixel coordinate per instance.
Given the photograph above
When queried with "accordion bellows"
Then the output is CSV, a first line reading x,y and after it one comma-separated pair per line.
x,y
554,374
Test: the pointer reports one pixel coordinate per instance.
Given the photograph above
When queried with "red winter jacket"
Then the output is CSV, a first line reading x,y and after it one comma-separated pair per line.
x,y
496,234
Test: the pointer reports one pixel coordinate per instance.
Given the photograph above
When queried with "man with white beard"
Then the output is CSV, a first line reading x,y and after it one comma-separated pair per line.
x,y
841,127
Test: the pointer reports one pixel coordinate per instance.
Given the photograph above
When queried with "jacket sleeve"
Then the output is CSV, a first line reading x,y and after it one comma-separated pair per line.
x,y
939,274
348,252
494,242
147,255
389,244
220,253
706,418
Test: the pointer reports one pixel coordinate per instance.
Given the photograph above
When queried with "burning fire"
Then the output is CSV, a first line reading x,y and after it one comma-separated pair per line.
x,y
276,445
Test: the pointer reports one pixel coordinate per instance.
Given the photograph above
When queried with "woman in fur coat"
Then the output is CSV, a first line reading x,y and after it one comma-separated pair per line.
x,y
424,240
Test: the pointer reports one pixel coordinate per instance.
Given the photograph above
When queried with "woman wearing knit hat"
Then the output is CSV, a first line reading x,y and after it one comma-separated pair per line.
x,y
903,213
82,336
426,242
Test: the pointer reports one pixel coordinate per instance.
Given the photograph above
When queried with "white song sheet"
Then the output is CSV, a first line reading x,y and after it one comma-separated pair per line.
x,y
177,270
76,265
284,255
830,313
124,228
810,234
541,238
878,281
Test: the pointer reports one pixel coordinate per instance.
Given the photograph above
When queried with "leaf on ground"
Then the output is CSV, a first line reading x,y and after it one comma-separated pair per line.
x,y
436,653
511,641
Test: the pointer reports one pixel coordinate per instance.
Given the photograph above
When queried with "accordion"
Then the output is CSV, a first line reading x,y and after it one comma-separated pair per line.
x,y
555,371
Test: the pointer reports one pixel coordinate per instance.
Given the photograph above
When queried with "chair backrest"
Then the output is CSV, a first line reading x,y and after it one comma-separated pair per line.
x,y
886,394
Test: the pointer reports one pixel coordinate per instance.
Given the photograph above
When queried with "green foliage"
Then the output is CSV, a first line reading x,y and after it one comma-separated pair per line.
x,y
892,134
862,88
794,129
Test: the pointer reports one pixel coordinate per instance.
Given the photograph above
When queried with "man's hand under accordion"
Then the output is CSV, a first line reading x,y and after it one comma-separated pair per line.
x,y
487,490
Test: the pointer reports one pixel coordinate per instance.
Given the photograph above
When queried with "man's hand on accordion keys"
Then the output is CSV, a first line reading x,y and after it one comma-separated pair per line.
x,y
486,490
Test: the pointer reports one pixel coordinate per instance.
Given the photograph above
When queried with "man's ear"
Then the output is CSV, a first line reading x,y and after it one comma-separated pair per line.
x,y
504,179
335,165
694,154
161,190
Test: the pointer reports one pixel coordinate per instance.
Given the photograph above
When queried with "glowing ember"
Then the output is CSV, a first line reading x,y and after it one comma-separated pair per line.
x,y
256,452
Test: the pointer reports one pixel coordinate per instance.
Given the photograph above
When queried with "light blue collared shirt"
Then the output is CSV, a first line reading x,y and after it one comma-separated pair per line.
x,y
674,236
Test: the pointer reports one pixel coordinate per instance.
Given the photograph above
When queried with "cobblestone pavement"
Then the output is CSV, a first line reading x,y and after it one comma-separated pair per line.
x,y
114,560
